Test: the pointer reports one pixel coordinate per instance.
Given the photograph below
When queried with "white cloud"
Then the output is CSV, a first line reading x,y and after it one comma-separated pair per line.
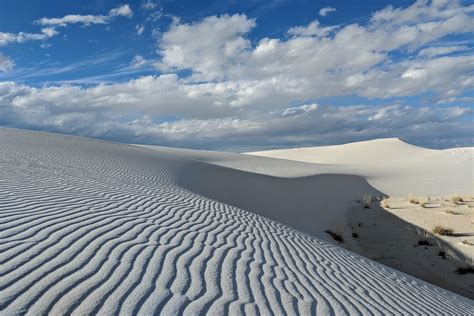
x,y
149,5
441,50
313,29
138,61
8,38
208,47
326,10
123,10
6,63
140,29
242,91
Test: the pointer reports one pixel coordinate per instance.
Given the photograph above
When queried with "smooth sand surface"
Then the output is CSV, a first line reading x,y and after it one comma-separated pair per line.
x,y
393,166
93,227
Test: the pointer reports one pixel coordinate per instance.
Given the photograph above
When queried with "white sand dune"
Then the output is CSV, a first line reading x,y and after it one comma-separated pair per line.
x,y
393,166
96,227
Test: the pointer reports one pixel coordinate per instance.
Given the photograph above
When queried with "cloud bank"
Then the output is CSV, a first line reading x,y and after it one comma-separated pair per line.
x,y
238,94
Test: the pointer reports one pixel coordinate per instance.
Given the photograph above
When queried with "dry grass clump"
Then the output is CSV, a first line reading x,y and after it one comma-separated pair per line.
x,y
465,242
335,235
367,199
457,200
465,270
424,237
386,204
414,201
443,231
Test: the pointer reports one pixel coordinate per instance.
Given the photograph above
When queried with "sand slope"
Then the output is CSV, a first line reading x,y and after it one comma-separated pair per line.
x,y
96,227
393,166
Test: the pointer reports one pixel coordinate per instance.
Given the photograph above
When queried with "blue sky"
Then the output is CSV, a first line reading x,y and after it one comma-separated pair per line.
x,y
240,75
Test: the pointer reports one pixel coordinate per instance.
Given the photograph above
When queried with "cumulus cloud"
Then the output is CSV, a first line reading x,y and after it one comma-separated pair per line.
x,y
6,63
243,94
123,10
326,10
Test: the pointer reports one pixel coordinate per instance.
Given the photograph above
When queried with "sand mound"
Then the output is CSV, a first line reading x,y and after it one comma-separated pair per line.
x,y
393,166
96,227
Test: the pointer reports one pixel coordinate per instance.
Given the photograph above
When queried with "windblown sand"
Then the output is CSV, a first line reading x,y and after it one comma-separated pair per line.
x,y
92,227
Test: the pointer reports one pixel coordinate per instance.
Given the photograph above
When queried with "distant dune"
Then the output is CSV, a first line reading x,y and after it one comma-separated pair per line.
x,y
393,166
94,227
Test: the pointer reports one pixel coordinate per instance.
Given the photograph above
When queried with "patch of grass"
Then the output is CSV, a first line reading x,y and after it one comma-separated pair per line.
x,y
414,201
443,231
335,235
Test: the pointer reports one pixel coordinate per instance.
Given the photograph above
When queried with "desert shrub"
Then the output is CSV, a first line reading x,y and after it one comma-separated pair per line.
x,y
443,231
442,254
457,200
424,237
465,270
367,199
335,235
414,201
424,242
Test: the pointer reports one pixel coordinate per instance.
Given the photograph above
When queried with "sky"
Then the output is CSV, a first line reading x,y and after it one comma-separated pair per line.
x,y
240,75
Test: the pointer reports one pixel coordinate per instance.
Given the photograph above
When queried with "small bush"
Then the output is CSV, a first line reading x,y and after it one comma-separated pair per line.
x,y
442,254
414,201
424,242
443,231
355,235
335,235
367,199
457,200
465,270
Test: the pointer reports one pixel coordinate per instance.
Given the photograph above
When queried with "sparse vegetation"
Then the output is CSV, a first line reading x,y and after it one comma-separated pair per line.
x,y
335,235
443,231
442,254
424,237
424,242
355,235
465,270
386,204
414,201
367,199
465,242
457,200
